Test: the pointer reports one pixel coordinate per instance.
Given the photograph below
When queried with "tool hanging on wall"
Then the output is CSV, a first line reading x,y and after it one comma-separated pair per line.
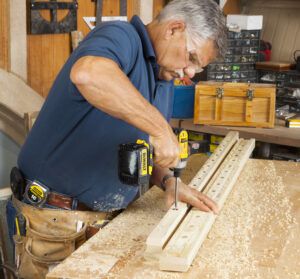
x,y
92,21
39,25
99,8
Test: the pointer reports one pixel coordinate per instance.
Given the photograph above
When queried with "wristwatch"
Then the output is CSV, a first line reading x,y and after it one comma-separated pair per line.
x,y
164,180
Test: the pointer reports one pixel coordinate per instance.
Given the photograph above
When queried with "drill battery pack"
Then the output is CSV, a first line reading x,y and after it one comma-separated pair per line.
x,y
135,163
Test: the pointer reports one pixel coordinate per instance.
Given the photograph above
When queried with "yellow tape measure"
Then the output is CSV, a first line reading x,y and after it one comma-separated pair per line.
x,y
36,193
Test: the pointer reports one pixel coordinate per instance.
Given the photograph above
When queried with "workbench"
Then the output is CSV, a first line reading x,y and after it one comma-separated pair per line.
x,y
277,135
256,235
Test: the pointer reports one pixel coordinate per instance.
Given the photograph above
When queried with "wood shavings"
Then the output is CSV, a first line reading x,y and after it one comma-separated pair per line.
x,y
262,211
255,236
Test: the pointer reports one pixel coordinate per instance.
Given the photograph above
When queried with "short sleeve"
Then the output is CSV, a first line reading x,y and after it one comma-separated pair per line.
x,y
117,41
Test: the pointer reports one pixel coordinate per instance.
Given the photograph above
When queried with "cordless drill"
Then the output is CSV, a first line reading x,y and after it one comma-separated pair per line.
x,y
135,164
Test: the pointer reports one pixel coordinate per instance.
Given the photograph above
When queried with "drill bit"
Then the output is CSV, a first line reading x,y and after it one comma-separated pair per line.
x,y
176,193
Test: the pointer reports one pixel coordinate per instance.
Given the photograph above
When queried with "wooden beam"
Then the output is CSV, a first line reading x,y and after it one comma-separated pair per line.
x,y
164,230
18,38
5,193
158,5
4,35
185,243
146,10
29,119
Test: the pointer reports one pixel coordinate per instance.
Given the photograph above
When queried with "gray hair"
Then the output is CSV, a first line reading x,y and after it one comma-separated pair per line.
x,y
203,18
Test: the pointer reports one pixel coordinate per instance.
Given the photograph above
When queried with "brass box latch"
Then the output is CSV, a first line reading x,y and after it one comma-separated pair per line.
x,y
220,92
250,94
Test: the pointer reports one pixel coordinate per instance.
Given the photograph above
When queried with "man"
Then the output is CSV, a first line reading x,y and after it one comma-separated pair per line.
x,y
115,88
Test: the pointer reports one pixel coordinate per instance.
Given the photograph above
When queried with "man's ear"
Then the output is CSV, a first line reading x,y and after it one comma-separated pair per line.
x,y
173,27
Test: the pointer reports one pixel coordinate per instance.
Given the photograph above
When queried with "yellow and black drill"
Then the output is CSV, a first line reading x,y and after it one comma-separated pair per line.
x,y
135,162
182,136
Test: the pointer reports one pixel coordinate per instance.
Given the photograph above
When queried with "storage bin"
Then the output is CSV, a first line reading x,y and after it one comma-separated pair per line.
x,y
183,105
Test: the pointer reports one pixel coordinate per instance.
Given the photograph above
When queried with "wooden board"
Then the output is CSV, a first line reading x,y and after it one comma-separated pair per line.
x,y
18,38
255,235
166,227
181,250
218,103
278,135
273,65
158,6
146,10
232,7
13,105
29,119
4,34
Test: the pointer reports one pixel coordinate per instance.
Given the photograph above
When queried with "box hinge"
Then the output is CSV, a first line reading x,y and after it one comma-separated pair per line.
x,y
219,92
250,94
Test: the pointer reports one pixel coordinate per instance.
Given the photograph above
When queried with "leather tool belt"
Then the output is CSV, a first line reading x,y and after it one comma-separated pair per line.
x,y
65,202
32,191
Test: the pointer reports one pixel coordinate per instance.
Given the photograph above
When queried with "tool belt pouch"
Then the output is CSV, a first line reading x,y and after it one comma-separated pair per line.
x,y
39,251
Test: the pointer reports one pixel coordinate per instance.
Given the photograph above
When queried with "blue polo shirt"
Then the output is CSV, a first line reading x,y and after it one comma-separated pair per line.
x,y
73,146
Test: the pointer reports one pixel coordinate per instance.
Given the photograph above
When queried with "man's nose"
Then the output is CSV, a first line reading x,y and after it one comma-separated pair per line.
x,y
189,71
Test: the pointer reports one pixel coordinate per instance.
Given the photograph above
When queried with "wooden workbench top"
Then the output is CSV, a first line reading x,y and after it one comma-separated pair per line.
x,y
277,135
255,236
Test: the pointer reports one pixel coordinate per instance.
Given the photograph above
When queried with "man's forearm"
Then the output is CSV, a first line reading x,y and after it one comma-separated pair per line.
x,y
106,87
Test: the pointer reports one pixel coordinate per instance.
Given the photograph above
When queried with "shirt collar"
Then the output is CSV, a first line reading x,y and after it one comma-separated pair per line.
x,y
142,31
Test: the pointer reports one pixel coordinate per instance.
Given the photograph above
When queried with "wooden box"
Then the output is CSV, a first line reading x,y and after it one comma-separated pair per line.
x,y
235,104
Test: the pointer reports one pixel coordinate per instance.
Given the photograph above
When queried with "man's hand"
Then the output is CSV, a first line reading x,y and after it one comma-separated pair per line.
x,y
166,149
189,195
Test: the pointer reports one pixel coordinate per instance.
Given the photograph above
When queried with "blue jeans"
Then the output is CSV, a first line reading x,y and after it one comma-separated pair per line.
x,y
11,214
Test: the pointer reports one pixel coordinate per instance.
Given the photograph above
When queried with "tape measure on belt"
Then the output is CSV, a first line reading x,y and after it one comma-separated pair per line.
x,y
36,193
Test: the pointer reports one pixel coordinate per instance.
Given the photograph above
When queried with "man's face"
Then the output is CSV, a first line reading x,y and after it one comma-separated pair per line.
x,y
178,55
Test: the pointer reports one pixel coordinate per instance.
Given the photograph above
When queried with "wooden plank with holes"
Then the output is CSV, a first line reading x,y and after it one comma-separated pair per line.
x,y
186,241
164,230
